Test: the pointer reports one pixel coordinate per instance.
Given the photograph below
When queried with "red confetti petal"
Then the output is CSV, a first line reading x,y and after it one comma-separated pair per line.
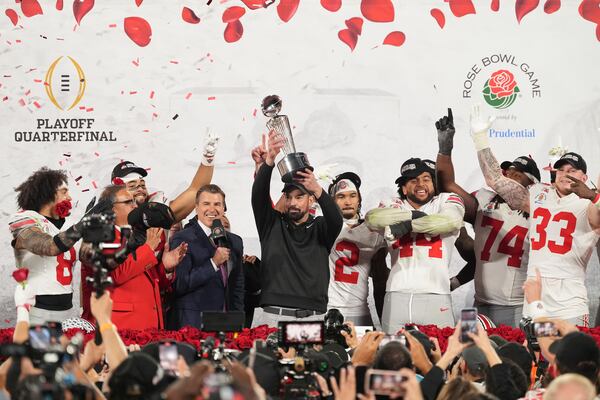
x,y
212,97
286,9
495,5
36,104
233,14
81,8
12,14
590,10
377,10
395,38
189,16
187,96
254,4
524,7
460,8
59,5
31,8
551,6
355,25
349,37
233,31
138,2
331,5
138,30
439,17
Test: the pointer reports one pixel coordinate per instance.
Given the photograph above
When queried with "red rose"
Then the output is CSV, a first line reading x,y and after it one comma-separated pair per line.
x,y
63,209
243,342
118,181
20,275
502,83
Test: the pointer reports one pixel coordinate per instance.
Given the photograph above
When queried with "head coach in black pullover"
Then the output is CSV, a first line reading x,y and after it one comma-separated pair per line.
x,y
294,245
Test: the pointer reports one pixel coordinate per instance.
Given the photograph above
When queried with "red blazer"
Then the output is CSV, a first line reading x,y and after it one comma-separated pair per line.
x,y
136,291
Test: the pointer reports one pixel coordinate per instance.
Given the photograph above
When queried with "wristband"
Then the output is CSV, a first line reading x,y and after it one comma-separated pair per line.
x,y
59,243
107,326
481,141
536,309
23,313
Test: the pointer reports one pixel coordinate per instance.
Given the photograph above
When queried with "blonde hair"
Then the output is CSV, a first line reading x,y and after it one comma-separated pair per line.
x,y
574,380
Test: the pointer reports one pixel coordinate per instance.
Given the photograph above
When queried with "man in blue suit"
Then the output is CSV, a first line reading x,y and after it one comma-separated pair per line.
x,y
209,278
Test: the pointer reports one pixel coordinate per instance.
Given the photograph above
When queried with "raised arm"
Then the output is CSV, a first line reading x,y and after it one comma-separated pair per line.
x,y
515,194
583,191
185,202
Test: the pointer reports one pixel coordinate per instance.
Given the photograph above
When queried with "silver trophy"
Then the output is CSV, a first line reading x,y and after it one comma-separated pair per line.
x,y
292,161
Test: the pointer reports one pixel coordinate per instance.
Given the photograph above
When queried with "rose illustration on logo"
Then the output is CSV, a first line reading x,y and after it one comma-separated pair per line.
x,y
500,91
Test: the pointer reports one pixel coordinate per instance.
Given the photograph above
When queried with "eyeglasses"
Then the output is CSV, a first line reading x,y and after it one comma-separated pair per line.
x,y
129,202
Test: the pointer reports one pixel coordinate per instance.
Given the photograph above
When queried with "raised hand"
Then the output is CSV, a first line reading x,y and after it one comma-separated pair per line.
x,y
259,153
172,258
309,181
276,143
211,142
581,189
445,131
479,128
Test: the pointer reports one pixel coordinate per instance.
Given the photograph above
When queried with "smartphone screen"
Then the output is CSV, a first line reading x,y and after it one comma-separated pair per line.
x,y
384,382
468,323
39,337
392,338
168,355
309,332
543,329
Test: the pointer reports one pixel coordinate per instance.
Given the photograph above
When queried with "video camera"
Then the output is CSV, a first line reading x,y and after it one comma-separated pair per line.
x,y
334,326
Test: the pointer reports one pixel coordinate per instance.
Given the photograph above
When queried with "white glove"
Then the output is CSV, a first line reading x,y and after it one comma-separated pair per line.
x,y
24,300
211,142
379,218
479,128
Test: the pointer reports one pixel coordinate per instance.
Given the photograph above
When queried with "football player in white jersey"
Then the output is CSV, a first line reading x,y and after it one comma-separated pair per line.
x,y
564,225
421,229
132,176
351,257
501,233
40,246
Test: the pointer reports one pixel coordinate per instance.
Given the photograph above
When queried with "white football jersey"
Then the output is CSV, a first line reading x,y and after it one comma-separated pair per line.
x,y
350,265
420,262
501,250
562,240
47,274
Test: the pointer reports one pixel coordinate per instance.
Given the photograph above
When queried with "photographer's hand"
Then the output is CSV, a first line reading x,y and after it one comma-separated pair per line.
x,y
346,390
454,348
351,338
417,353
364,354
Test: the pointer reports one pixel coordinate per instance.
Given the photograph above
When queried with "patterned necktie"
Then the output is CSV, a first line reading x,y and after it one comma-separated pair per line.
x,y
223,271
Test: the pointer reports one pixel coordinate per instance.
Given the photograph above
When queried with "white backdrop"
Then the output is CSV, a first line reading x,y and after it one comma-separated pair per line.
x,y
366,110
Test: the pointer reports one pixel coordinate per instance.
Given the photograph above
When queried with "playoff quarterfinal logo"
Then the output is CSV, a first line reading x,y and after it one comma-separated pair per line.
x,y
65,83
500,91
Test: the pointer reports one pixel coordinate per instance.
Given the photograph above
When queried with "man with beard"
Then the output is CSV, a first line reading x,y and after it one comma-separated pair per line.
x,y
352,256
132,176
564,226
501,233
421,229
294,245
40,246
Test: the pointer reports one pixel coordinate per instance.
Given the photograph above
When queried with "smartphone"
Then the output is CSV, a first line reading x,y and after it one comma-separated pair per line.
x,y
56,331
308,332
384,382
468,323
168,355
40,337
543,329
392,338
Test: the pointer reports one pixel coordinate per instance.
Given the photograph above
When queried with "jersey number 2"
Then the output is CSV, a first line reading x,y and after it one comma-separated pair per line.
x,y
340,263
64,268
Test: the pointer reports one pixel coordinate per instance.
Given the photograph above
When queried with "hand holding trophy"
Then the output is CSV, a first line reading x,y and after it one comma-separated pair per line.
x,y
293,161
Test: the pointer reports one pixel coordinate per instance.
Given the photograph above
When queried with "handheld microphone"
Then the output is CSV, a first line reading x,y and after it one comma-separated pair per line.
x,y
218,234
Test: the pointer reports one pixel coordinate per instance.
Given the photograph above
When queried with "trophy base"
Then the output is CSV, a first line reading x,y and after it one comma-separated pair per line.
x,y
292,163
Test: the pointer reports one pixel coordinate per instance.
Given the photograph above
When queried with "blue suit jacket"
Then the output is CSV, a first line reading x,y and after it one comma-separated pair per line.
x,y
197,286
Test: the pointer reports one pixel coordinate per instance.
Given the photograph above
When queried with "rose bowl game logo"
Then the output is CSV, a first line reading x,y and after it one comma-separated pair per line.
x,y
500,91
65,83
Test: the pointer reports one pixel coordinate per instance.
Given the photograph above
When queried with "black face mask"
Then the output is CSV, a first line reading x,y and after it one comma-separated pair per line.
x,y
57,222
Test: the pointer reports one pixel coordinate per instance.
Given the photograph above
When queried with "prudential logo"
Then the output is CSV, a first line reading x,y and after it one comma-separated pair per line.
x,y
65,83
500,91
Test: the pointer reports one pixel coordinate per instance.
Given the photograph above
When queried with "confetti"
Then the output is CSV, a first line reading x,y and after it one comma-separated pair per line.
x,y
355,24
174,62
522,8
286,9
136,63
233,31
59,5
138,30
85,190
233,14
152,94
22,102
66,155
90,109
331,5
97,154
460,8
12,15
133,92
395,38
439,17
5,98
230,162
175,116
187,96
212,97
189,16
146,130
495,6
94,185
254,113
31,8
155,115
349,37
78,178
81,8
27,92
112,25
377,10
